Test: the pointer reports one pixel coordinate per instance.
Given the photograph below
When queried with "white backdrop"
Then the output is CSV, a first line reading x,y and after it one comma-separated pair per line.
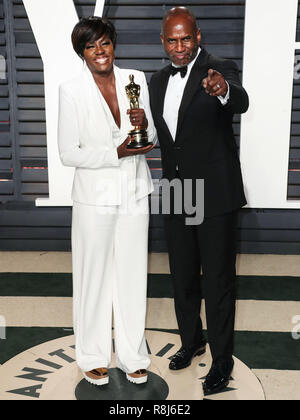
x,y
269,54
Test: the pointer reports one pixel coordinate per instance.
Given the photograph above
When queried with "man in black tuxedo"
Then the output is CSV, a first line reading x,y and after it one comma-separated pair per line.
x,y
193,101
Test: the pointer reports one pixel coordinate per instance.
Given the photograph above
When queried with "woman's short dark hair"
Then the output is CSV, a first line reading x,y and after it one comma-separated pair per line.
x,y
89,30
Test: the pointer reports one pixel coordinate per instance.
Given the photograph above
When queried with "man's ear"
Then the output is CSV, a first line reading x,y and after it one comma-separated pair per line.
x,y
199,37
162,38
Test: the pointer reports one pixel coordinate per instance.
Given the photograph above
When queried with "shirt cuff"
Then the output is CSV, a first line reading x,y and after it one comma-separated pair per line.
x,y
226,99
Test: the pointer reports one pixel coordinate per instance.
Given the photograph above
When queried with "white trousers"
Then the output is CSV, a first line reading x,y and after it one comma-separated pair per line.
x,y
109,253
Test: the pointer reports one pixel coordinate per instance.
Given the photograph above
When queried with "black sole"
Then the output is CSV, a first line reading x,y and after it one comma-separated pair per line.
x,y
217,390
200,352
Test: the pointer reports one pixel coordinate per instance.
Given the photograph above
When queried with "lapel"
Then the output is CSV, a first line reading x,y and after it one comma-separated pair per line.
x,y
97,117
159,108
122,81
162,88
100,116
198,72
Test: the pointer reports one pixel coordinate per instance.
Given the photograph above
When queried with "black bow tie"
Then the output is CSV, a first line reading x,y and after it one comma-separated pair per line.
x,y
175,70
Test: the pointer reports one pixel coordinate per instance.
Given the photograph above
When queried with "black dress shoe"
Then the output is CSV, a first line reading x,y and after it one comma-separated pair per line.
x,y
183,358
218,377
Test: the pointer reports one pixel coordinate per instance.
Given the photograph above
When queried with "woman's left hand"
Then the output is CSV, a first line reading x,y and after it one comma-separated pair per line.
x,y
138,118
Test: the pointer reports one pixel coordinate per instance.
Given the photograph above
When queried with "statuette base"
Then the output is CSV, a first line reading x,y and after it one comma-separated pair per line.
x,y
139,139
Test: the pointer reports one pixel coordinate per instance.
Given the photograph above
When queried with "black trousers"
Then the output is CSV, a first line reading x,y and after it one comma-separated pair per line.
x,y
212,246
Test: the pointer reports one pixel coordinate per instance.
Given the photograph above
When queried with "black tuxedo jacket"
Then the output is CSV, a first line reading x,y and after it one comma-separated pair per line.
x,y
205,146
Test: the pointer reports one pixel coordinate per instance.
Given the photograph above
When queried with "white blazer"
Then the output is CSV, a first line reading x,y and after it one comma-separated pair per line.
x,y
85,140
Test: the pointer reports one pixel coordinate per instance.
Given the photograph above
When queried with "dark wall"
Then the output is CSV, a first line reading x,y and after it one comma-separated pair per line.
x,y
23,151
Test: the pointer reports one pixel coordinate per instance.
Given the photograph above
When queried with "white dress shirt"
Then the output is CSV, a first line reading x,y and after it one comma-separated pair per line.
x,y
174,96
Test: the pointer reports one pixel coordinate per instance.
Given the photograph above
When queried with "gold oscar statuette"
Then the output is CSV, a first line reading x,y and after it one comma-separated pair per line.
x,y
138,135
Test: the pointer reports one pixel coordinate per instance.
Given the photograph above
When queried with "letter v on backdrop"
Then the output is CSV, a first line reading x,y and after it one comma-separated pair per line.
x,y
269,53
52,22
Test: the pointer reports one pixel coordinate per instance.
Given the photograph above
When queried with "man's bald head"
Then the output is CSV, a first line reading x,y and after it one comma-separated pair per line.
x,y
180,36
179,12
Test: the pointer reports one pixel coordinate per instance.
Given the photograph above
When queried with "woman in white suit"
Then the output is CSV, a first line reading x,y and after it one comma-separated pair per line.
x,y
110,213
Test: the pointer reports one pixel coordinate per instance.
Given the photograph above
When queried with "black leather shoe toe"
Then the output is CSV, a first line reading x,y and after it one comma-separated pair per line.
x,y
218,377
183,358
